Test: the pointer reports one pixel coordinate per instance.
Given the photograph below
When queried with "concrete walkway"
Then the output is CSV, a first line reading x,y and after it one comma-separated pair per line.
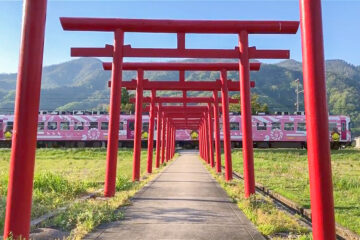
x,y
182,202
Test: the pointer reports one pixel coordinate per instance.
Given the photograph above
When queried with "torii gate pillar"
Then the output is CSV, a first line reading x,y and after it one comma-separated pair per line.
x,y
163,129
226,125
114,121
18,207
321,189
151,132
138,126
200,142
158,136
211,136
217,132
167,137
172,141
247,141
205,141
207,138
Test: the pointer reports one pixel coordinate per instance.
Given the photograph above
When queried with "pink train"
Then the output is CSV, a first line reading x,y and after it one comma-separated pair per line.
x,y
84,129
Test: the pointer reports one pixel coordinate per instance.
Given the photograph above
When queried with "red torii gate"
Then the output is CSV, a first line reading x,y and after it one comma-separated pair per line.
x,y
171,111
178,112
204,126
181,27
206,150
161,134
185,100
17,219
142,84
195,125
223,84
180,85
245,91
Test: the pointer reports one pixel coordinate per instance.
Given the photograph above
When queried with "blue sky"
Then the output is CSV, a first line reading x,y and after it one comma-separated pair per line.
x,y
341,21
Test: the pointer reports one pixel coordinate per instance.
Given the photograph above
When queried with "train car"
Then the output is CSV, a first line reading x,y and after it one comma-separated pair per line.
x,y
288,131
90,130
76,130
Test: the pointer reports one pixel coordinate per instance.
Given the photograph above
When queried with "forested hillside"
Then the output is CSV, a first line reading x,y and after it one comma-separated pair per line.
x,y
82,84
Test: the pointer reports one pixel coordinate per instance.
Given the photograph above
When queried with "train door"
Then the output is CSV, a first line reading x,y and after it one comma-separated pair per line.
x,y
1,130
130,128
343,129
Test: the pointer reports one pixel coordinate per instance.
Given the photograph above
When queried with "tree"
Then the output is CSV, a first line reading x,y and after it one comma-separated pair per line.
x,y
125,96
256,106
126,106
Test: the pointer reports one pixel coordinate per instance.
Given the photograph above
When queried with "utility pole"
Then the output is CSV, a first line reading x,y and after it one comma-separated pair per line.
x,y
297,94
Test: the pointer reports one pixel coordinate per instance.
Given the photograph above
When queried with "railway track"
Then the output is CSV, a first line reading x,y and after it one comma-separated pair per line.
x,y
294,208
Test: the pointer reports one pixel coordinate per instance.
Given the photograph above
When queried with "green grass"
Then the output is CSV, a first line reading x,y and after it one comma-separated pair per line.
x,y
270,221
62,175
285,171
82,217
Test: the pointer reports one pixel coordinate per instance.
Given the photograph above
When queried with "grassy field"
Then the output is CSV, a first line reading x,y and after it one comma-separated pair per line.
x,y
286,172
270,221
62,175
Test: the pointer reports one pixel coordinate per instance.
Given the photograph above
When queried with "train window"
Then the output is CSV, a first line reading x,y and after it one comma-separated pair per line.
x,y
78,126
234,126
260,126
301,126
93,125
121,126
343,126
64,126
275,125
145,127
332,127
41,126
52,125
131,125
289,126
104,125
9,126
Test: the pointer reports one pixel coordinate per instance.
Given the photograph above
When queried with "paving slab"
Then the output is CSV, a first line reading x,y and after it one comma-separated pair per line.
x,y
183,202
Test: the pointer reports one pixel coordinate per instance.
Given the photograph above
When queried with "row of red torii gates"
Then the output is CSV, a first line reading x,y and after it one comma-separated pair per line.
x,y
170,118
185,117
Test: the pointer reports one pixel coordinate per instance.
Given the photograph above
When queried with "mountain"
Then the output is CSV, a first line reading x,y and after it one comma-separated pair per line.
x,y
82,84
291,65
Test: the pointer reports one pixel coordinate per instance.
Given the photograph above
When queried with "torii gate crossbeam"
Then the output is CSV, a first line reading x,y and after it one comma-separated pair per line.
x,y
179,66
178,26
